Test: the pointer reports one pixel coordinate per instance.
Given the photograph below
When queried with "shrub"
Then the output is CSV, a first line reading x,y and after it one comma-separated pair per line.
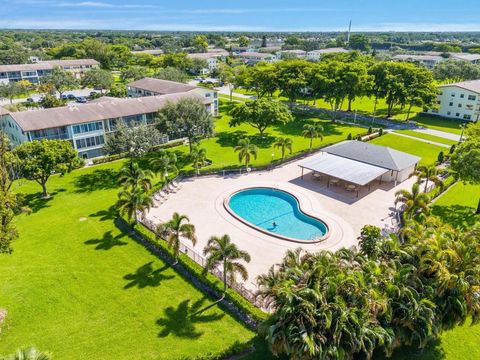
x,y
441,157
349,137
380,132
452,149
370,130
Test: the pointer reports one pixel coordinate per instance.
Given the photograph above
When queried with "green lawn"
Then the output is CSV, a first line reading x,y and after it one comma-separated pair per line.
x,y
427,152
429,137
438,123
458,204
220,149
76,286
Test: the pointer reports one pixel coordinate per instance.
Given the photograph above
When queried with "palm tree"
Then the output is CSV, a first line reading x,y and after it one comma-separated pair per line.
x,y
312,131
164,163
284,144
415,202
245,151
198,156
30,353
132,175
179,226
221,250
134,200
429,173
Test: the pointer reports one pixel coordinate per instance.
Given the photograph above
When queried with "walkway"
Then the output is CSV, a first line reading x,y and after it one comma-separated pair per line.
x,y
443,134
419,139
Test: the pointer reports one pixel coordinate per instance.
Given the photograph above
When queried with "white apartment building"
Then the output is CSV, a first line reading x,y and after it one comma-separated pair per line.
x,y
154,87
87,125
301,54
253,57
34,72
316,55
432,58
212,59
459,101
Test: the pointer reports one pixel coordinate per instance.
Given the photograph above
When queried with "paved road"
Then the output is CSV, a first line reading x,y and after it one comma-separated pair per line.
x,y
443,134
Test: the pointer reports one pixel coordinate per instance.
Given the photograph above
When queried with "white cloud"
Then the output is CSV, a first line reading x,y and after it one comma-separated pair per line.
x,y
95,4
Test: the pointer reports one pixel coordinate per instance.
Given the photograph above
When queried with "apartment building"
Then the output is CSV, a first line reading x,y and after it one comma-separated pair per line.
x,y
459,101
252,57
300,54
87,125
431,58
155,87
316,55
34,72
212,59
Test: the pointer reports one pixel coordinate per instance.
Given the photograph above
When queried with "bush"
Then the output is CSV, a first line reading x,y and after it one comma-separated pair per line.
x,y
109,158
452,149
380,132
441,157
349,137
370,130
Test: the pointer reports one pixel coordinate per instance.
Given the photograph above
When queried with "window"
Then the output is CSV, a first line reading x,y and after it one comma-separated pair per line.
x,y
83,128
462,96
88,142
472,97
449,113
457,114
453,95
467,117
459,105
469,107
450,104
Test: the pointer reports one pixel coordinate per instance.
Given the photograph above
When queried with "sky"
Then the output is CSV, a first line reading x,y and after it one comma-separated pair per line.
x,y
243,15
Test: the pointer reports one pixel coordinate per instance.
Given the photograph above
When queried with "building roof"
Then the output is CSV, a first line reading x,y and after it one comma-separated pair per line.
x,y
149,51
472,85
3,111
372,154
160,86
47,65
465,56
107,108
298,52
329,50
355,172
207,55
419,57
255,54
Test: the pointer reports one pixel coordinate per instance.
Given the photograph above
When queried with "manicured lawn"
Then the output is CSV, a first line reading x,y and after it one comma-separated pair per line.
x,y
427,152
76,286
429,137
220,148
458,204
438,123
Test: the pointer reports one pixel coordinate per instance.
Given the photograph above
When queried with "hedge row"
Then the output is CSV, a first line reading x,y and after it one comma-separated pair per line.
x,y
437,191
205,277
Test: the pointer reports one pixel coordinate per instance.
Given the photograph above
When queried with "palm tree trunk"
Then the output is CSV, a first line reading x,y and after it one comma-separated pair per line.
x,y
224,276
478,207
311,143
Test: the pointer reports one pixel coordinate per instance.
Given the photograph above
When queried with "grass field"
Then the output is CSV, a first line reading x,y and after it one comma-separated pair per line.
x,y
220,148
76,286
429,137
458,204
427,152
438,123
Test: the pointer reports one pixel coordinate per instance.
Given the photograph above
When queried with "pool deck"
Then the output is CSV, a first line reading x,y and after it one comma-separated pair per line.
x,y
345,214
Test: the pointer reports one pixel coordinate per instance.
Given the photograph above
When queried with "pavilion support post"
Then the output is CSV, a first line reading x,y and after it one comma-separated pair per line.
x,y
302,172
328,182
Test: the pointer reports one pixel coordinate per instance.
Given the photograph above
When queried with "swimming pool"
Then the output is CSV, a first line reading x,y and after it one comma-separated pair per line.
x,y
276,212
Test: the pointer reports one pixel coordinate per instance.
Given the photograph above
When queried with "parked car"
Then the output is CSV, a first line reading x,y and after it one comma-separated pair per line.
x,y
64,97
81,99
30,100
71,97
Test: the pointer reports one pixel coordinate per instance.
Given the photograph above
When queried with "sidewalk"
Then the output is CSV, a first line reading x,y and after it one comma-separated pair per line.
x,y
443,134
419,139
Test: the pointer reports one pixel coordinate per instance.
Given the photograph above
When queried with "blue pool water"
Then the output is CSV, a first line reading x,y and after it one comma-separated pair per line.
x,y
263,207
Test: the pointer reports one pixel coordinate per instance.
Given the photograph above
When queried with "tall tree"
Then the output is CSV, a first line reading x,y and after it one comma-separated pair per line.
x,y
292,78
133,176
243,41
42,158
246,151
98,79
172,231
198,156
284,144
171,74
60,80
221,251
200,43
452,70
312,131
134,200
260,114
163,163
429,174
188,118
415,202
465,161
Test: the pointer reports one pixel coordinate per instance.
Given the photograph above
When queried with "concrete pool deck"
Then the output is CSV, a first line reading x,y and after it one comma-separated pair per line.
x,y
202,200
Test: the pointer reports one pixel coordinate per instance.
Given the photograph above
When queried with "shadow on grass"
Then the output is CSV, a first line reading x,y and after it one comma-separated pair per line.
x,y
110,214
295,127
432,351
145,276
36,202
107,242
230,139
101,179
457,215
181,321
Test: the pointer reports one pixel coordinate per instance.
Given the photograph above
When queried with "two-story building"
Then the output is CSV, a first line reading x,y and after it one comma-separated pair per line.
x,y
211,58
459,101
287,54
316,55
86,126
34,72
251,58
154,87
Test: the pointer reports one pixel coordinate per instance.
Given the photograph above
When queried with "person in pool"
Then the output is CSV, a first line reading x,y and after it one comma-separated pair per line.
x,y
274,224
